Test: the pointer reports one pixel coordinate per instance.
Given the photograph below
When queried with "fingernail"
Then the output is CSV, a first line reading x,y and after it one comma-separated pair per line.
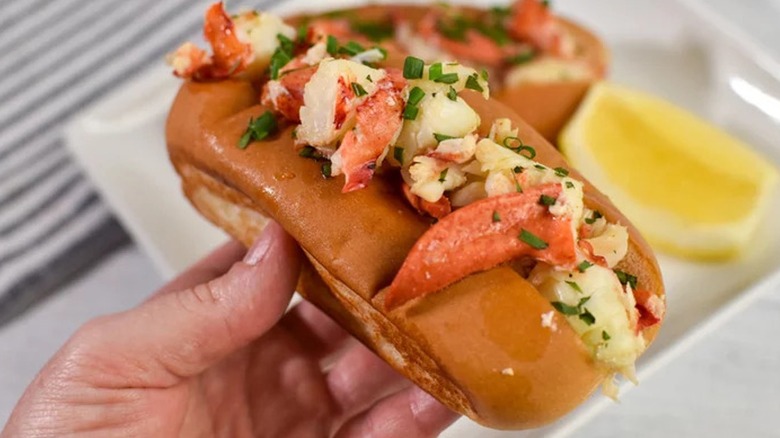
x,y
261,246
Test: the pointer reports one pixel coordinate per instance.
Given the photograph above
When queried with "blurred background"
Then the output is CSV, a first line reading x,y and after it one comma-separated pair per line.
x,y
91,223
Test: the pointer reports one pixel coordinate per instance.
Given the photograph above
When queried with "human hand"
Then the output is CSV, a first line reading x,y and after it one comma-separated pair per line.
x,y
213,354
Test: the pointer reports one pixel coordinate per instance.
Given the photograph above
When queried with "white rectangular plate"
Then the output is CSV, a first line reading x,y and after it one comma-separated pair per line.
x,y
672,49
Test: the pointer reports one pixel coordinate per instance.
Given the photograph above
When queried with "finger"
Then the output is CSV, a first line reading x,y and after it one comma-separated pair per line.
x,y
360,378
214,265
181,333
316,331
411,413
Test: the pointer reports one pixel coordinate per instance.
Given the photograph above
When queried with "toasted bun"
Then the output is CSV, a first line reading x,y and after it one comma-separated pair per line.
x,y
548,106
478,345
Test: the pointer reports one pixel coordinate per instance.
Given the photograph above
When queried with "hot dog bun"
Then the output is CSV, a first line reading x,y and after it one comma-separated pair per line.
x,y
478,345
544,105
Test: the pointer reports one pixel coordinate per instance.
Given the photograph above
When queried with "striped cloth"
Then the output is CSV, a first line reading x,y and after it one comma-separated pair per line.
x,y
59,56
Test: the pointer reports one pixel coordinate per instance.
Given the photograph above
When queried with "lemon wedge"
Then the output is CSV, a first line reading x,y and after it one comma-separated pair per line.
x,y
690,188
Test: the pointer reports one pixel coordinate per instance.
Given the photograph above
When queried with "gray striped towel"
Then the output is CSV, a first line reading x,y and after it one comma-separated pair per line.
x,y
57,57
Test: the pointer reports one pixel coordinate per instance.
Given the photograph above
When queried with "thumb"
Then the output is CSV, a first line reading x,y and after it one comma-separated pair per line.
x,y
181,333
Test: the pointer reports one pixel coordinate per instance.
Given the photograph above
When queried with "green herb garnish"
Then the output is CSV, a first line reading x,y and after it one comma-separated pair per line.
x,y
521,58
569,185
374,30
540,167
500,11
287,44
359,90
302,32
605,336
398,154
565,308
415,96
281,56
441,137
626,278
258,129
351,48
584,265
532,240
518,187
410,112
443,175
560,171
449,78
279,59
587,317
245,139
309,152
436,71
594,217
546,200
472,83
327,170
517,169
530,152
455,28
452,94
575,286
332,45
496,217
413,68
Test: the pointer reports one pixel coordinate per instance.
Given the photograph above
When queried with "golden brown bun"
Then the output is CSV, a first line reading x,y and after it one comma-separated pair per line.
x,y
458,344
545,106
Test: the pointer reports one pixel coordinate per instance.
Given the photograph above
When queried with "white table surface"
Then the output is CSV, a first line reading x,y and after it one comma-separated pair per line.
x,y
728,385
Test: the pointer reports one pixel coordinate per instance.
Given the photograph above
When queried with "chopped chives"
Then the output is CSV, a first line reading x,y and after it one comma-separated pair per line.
x,y
587,317
332,45
532,240
398,154
521,58
594,217
574,285
413,68
584,265
359,90
351,48
415,96
258,129
327,170
546,200
449,78
435,72
410,112
441,137
565,308
452,94
473,84
626,278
